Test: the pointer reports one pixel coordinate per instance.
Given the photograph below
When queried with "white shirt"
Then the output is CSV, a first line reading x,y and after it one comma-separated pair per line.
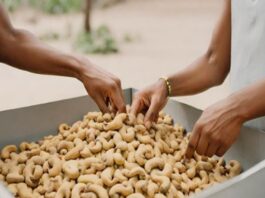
x,y
248,47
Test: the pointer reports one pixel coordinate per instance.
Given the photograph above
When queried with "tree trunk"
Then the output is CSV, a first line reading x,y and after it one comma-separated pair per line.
x,y
88,7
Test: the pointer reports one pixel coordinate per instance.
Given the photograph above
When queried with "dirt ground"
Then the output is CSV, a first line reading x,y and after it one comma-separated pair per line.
x,y
169,34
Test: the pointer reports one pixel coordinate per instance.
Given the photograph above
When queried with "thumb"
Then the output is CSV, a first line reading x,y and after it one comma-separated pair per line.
x,y
136,106
153,110
101,104
118,100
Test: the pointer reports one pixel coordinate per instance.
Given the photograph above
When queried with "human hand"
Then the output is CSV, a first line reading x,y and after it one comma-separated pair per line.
x,y
103,87
150,100
216,130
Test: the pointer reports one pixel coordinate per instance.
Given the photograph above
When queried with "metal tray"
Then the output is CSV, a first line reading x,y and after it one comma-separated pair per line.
x,y
34,122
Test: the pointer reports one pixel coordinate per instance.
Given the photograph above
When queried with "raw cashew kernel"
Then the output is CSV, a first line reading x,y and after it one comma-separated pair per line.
x,y
86,152
64,191
65,145
204,177
121,189
191,172
78,189
88,195
56,166
32,174
154,163
135,195
201,165
107,117
141,186
117,122
152,188
106,144
162,180
120,144
107,177
7,150
108,157
139,155
144,139
64,128
75,152
24,191
234,168
15,174
93,163
71,169
13,189
119,175
90,179
127,134
95,147
159,195
118,159
99,190
137,171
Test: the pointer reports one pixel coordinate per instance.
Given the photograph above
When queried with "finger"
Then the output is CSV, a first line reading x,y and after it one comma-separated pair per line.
x,y
136,106
192,143
202,145
101,104
110,105
222,150
153,111
212,149
118,101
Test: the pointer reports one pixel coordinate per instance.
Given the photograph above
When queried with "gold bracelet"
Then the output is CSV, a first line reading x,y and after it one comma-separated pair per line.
x,y
169,88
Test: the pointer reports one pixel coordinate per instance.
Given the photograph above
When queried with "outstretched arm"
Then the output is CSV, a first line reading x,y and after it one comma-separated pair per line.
x,y
207,71
22,50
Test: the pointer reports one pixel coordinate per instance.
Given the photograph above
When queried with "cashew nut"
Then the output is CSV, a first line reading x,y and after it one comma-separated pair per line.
x,y
64,191
90,179
135,195
78,189
107,177
15,174
99,190
154,163
24,191
234,168
117,122
7,150
71,169
56,166
121,189
75,152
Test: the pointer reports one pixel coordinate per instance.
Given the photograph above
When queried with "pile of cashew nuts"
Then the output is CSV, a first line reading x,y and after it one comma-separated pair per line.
x,y
107,155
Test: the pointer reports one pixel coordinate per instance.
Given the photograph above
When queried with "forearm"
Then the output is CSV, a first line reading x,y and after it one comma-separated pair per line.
x,y
23,51
249,102
212,68
201,75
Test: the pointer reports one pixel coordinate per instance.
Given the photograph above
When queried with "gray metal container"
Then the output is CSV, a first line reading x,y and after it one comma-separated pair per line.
x,y
34,122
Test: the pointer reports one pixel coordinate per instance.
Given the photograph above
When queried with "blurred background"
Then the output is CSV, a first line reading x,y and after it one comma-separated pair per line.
x,y
137,40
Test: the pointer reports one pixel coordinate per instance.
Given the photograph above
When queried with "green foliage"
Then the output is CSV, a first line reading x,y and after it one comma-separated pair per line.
x,y
48,6
56,6
11,5
99,41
